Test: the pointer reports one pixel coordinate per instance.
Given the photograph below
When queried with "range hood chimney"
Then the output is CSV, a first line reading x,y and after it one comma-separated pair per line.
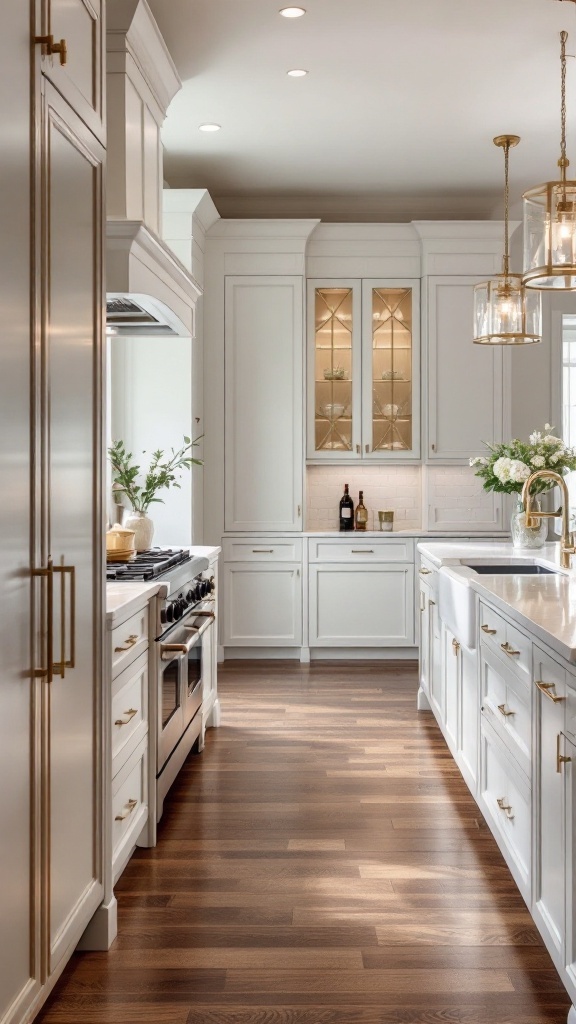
x,y
149,292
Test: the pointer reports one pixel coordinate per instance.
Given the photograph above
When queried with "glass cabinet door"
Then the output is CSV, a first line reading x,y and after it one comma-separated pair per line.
x,y
334,367
390,394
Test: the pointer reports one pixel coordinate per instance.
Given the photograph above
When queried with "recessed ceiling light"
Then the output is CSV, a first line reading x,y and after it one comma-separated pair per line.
x,y
292,12
297,73
209,127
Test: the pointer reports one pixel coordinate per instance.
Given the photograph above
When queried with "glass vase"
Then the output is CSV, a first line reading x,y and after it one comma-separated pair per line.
x,y
527,536
143,529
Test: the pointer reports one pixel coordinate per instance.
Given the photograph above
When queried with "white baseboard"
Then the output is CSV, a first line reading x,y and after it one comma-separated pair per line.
x,y
303,654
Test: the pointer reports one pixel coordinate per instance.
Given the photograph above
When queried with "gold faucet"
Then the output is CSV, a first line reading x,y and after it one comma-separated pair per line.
x,y
567,543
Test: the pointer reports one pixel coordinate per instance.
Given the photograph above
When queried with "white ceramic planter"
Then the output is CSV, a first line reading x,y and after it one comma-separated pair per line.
x,y
143,529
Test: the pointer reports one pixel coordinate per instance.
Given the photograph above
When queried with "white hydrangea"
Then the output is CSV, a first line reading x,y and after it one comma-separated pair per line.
x,y
519,471
538,461
507,470
536,437
478,461
551,440
501,469
554,458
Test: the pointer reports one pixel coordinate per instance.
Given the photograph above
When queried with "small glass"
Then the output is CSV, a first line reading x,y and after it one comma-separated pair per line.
x,y
386,520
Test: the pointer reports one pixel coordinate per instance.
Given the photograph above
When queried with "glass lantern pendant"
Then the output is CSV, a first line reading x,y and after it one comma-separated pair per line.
x,y
550,219
505,313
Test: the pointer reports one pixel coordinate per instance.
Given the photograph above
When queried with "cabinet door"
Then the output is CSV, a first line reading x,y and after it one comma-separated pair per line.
x,y
367,606
469,724
390,370
80,23
425,646
264,386
334,370
568,768
71,338
549,800
262,605
452,687
436,664
465,386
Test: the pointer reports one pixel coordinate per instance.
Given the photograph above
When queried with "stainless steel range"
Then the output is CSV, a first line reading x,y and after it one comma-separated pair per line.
x,y
182,614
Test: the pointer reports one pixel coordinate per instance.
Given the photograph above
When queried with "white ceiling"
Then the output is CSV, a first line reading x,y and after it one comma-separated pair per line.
x,y
395,119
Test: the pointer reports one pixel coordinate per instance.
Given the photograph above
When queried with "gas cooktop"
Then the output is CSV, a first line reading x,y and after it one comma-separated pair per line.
x,y
147,565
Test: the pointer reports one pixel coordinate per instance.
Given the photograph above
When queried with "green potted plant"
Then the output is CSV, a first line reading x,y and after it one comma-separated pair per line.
x,y
163,472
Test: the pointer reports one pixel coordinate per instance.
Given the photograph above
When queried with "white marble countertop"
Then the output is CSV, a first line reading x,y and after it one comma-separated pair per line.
x,y
544,605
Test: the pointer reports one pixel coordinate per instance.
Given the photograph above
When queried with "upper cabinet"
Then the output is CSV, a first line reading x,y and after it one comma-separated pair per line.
x,y
72,55
364,370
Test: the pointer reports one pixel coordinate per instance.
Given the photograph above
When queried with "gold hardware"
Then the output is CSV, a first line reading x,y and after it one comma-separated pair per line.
x,y
168,649
130,715
431,601
508,814
455,646
546,689
486,629
509,650
560,758
361,551
425,572
299,511
52,47
367,447
262,551
132,639
48,574
502,710
501,801
567,547
433,447
357,449
129,808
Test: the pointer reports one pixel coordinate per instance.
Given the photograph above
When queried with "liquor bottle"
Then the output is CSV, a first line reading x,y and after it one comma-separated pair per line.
x,y
361,514
346,511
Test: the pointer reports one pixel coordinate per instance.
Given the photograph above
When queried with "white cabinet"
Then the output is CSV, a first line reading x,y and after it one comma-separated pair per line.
x,y
363,370
263,403
466,385
262,592
370,605
451,660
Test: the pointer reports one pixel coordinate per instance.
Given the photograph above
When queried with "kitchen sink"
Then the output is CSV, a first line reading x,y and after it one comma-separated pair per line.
x,y
510,569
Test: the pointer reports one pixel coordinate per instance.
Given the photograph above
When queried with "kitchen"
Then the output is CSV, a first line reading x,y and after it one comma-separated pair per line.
x,y
199,758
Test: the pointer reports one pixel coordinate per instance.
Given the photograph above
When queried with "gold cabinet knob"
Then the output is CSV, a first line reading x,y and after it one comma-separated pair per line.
x,y
52,47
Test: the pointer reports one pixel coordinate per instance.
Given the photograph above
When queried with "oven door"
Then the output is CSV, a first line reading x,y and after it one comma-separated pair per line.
x,y
194,665
180,691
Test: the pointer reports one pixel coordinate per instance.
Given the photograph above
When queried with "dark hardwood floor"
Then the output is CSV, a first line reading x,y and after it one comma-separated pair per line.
x,y
322,862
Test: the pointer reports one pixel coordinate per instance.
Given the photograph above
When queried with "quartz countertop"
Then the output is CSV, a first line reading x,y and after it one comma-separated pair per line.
x,y
544,605
358,534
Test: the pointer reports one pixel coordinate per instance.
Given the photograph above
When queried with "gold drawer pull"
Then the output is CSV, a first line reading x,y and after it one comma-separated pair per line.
x,y
425,572
501,801
560,758
509,650
262,551
503,711
455,646
52,47
486,629
361,551
546,689
129,808
430,601
132,639
129,716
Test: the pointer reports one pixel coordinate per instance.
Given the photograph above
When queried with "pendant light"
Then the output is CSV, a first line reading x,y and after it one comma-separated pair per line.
x,y
505,313
550,218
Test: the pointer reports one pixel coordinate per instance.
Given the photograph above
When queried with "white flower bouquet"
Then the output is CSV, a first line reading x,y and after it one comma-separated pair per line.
x,y
509,465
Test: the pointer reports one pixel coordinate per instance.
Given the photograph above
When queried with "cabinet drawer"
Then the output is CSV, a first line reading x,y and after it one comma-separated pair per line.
x,y
492,626
429,574
361,549
506,704
262,550
129,710
129,805
129,640
511,645
507,802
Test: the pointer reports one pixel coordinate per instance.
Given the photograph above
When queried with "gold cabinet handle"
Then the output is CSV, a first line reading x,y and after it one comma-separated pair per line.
x,y
52,47
48,575
132,639
431,601
129,716
357,449
367,447
262,551
61,666
455,646
505,807
560,758
509,650
546,689
130,806
361,551
503,711
425,572
486,629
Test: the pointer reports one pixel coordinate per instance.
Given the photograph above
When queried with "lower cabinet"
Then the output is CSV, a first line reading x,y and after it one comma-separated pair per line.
x,y
369,605
263,604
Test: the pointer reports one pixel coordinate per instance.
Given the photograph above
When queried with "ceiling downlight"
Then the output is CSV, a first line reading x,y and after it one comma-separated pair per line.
x,y
210,126
297,73
292,12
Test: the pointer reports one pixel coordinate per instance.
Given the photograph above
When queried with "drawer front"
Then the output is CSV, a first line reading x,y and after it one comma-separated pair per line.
x,y
506,704
361,549
507,801
129,798
258,549
550,687
129,710
518,650
492,627
129,640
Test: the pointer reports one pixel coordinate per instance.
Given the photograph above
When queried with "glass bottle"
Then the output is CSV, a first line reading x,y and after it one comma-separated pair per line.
x,y
346,511
361,514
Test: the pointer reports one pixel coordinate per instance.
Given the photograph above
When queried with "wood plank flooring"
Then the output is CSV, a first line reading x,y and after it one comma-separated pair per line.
x,y
322,862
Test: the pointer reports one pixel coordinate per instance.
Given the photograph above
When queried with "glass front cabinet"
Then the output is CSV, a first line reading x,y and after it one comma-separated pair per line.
x,y
364,370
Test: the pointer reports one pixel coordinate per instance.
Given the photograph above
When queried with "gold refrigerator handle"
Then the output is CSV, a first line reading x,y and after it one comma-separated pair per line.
x,y
48,575
60,667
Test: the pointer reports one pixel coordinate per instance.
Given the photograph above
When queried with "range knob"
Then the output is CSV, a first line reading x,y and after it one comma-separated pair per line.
x,y
197,592
163,616
189,596
179,608
211,586
169,613
204,587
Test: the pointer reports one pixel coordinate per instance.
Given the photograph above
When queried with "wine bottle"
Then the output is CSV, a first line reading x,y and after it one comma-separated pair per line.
x,y
361,514
346,511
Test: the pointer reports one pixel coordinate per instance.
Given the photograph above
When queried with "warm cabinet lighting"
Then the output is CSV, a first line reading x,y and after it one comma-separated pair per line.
x,y
550,219
292,12
505,312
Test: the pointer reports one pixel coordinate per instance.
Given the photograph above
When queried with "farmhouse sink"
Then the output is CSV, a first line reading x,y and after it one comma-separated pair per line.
x,y
456,598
